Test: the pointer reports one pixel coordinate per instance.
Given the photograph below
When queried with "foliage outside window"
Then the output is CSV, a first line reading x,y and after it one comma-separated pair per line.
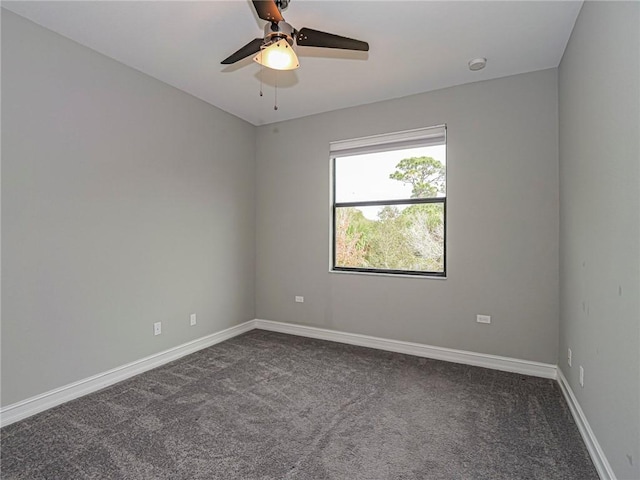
x,y
389,203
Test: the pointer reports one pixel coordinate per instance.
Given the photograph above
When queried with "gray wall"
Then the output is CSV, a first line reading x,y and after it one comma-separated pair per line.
x,y
124,202
502,222
599,85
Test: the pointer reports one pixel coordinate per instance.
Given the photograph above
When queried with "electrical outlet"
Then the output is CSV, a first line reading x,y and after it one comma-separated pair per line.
x,y
157,328
299,299
581,376
483,319
192,319
569,357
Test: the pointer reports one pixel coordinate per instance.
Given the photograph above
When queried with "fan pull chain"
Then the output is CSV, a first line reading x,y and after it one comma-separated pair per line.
x,y
275,103
261,70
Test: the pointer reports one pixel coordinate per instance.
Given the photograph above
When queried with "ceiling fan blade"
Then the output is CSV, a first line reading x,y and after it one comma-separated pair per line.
x,y
268,10
249,49
308,37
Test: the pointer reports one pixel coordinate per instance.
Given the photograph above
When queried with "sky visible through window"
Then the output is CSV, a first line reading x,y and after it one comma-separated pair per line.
x,y
366,177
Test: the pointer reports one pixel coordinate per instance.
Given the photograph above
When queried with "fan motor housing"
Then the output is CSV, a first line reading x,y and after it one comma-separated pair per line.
x,y
276,31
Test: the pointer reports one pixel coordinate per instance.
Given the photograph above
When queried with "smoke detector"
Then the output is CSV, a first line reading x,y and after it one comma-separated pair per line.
x,y
477,64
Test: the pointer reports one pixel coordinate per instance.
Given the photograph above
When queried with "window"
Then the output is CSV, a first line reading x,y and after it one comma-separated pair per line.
x,y
389,203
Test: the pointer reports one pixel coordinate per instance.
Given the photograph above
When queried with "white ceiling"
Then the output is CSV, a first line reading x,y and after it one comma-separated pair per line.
x,y
415,46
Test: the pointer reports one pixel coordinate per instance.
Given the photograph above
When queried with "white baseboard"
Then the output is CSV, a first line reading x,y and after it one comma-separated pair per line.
x,y
524,367
595,451
31,406
39,403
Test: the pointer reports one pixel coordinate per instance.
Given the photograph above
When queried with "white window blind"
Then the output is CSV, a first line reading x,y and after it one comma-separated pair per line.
x,y
390,141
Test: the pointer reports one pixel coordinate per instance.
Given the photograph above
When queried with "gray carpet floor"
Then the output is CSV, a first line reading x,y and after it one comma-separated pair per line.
x,y
270,406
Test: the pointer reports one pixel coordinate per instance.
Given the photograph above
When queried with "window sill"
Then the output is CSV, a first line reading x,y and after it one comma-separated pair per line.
x,y
392,275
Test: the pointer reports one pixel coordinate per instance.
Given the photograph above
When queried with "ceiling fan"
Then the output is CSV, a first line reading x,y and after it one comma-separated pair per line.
x,y
275,49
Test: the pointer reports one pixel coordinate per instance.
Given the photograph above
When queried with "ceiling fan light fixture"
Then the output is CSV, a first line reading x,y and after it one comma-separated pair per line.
x,y
278,56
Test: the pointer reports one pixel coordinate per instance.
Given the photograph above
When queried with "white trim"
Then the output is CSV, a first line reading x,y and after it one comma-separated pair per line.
x,y
388,275
20,410
39,403
495,362
595,451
